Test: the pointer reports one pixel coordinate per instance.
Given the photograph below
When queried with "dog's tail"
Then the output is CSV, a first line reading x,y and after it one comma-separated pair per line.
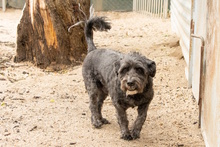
x,y
93,24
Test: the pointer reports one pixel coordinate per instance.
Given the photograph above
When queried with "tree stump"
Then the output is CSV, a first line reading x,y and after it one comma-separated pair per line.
x,y
42,34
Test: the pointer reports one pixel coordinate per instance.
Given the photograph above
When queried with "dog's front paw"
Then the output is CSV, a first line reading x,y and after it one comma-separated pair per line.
x,y
135,134
126,137
105,121
97,123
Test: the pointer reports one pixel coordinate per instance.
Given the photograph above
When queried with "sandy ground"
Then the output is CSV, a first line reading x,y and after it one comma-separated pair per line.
x,y
43,108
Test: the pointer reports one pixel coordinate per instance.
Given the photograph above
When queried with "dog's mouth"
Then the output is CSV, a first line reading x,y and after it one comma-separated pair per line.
x,y
131,92
130,89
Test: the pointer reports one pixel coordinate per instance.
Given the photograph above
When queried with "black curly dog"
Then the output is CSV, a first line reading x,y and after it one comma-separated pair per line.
x,y
127,78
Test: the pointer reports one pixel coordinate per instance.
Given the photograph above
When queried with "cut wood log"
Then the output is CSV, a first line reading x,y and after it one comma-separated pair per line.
x,y
42,34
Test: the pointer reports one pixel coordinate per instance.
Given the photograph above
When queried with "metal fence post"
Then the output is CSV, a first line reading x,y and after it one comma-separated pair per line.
x,y
3,5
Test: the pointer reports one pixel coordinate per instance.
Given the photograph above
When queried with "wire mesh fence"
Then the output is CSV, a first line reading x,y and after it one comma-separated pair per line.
x,y
12,3
156,8
113,5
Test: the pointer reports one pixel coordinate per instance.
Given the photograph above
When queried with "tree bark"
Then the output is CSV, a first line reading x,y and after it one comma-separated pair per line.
x,y
42,34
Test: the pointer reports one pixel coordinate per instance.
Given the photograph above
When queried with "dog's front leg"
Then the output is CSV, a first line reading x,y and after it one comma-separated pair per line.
x,y
123,123
137,126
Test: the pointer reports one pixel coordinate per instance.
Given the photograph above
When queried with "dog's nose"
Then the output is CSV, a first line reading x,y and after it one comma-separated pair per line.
x,y
130,83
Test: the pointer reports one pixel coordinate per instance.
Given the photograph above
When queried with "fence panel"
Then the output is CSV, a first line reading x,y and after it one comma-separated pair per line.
x,y
157,8
112,5
19,4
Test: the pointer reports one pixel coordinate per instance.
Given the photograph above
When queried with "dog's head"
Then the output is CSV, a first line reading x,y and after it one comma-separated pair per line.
x,y
134,71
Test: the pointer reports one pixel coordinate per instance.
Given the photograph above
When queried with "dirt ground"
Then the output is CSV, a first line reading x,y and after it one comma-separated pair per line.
x,y
44,108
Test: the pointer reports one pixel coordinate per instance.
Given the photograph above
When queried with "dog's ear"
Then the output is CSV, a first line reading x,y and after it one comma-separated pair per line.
x,y
117,67
151,67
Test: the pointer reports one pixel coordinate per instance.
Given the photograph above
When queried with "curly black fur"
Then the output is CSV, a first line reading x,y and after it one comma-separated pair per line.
x,y
95,23
127,78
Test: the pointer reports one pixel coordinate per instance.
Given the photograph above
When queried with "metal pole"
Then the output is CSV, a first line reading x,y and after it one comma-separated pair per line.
x,y
3,5
202,77
166,9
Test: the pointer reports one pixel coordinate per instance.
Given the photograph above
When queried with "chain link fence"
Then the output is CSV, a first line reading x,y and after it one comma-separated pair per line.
x,y
99,5
19,4
113,5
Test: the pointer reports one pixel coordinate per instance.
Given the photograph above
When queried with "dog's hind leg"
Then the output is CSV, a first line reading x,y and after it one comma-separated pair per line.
x,y
101,97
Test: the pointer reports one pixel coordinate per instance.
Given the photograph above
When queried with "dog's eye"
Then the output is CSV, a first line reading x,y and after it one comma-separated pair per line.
x,y
124,70
140,70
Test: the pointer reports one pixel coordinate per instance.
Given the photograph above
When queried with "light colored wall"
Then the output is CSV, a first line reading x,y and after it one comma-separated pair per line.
x,y
180,23
211,101
206,15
